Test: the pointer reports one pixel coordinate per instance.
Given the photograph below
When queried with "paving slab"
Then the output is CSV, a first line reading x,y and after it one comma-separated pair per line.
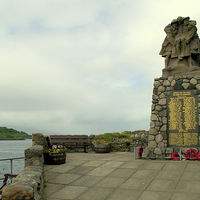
x,y
81,170
193,167
185,196
83,157
143,173
112,164
190,186
153,165
124,194
62,168
175,165
69,192
94,163
87,181
48,167
110,182
151,195
65,178
190,175
125,159
122,173
51,175
107,158
95,193
136,184
169,175
163,185
101,171
76,162
132,164
52,188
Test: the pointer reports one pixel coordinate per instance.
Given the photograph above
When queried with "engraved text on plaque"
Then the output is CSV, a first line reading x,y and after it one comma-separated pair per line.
x,y
182,119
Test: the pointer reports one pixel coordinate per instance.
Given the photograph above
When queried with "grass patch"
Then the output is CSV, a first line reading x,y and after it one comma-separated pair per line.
x,y
109,136
45,183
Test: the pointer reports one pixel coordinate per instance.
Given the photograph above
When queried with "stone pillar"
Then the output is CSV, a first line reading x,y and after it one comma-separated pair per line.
x,y
37,139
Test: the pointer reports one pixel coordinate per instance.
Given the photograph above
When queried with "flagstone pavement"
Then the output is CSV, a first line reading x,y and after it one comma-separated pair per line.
x,y
117,176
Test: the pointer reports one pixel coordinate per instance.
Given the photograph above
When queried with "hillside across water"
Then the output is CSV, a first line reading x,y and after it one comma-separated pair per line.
x,y
12,134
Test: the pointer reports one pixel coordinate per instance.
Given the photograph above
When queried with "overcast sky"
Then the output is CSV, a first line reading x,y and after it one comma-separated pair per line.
x,y
82,66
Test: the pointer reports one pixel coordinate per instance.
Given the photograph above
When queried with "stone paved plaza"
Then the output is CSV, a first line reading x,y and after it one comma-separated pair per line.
x,y
117,176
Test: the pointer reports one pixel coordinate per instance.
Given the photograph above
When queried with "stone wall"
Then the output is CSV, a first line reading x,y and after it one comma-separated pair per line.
x,y
162,87
122,145
137,138
28,185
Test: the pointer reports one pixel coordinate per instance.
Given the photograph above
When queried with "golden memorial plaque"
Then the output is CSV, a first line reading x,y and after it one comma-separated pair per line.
x,y
183,119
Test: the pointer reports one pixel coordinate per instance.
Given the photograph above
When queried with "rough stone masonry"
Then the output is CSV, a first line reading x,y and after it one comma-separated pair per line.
x,y
158,136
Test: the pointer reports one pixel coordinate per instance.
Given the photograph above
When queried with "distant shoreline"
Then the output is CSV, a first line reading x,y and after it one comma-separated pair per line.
x,y
14,138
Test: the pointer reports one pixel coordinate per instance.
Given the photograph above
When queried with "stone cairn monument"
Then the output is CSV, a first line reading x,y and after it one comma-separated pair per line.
x,y
175,107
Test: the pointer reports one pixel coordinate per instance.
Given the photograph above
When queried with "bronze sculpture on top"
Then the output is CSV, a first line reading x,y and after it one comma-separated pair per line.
x,y
181,48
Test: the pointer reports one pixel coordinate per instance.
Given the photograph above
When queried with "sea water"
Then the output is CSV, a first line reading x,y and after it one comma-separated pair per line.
x,y
12,149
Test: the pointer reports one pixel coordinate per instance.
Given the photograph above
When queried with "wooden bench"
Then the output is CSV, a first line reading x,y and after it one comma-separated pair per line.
x,y
5,181
70,141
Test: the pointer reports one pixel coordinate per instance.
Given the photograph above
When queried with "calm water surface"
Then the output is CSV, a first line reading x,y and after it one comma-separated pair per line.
x,y
12,149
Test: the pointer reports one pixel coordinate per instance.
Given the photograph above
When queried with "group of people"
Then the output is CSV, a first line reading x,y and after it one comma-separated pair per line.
x,y
181,40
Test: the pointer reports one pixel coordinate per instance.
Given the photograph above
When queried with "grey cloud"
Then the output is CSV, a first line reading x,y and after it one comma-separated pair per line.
x,y
82,66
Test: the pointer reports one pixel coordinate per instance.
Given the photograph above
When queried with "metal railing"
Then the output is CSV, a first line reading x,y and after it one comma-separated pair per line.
x,y
11,163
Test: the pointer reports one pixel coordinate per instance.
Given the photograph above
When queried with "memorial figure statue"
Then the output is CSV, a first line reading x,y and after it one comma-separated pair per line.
x,y
168,49
181,46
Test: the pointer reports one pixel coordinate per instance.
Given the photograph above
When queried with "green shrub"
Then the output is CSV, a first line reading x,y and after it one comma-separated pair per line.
x,y
108,136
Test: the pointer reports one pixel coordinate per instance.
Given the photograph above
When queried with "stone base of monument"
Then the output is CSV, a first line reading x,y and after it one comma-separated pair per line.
x,y
169,153
175,113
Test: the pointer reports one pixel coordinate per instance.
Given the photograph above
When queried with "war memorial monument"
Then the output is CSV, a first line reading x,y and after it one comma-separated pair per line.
x,y
175,106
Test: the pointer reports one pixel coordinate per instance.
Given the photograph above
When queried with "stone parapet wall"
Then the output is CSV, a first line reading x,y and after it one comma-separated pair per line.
x,y
28,185
136,139
139,139
162,86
